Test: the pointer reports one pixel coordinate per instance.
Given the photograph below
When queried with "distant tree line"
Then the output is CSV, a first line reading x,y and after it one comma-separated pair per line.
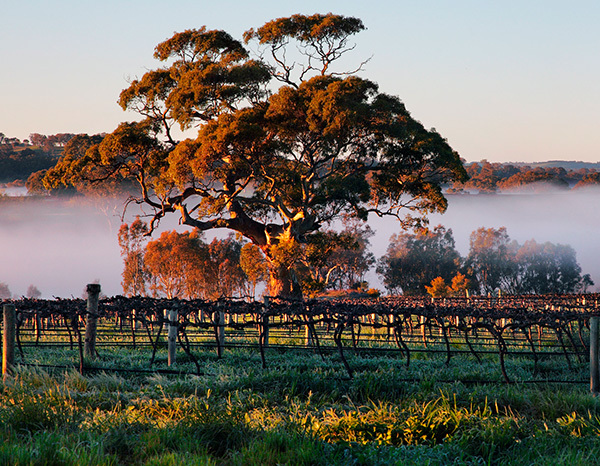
x,y
19,160
427,261
422,262
416,263
51,142
29,160
32,292
185,265
489,177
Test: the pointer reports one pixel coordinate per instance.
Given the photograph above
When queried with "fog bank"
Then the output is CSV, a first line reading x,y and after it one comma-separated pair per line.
x,y
59,246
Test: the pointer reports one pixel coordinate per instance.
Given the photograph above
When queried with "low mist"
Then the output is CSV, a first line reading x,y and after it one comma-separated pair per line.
x,y
60,246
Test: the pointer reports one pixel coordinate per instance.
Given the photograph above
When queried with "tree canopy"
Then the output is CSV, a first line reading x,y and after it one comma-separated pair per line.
x,y
428,261
490,260
414,260
280,148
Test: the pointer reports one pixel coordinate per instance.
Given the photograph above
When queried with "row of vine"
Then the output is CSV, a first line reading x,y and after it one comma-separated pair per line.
x,y
566,317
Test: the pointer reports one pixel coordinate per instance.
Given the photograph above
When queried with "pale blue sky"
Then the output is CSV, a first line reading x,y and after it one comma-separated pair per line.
x,y
510,80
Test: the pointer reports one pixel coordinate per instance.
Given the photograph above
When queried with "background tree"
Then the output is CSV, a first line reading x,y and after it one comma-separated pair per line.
x,y
482,176
536,179
33,292
227,278
413,260
38,139
587,180
460,285
273,164
132,239
19,163
353,263
254,265
336,260
318,261
183,265
52,142
5,291
549,268
35,183
438,288
497,263
490,261
174,262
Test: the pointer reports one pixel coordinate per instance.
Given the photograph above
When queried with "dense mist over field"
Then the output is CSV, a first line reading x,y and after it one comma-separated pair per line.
x,y
60,246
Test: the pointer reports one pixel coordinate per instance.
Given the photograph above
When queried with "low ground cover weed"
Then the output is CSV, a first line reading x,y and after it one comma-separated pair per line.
x,y
301,410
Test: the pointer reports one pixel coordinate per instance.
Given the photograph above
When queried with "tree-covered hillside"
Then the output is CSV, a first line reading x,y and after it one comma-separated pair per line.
x,y
490,177
20,159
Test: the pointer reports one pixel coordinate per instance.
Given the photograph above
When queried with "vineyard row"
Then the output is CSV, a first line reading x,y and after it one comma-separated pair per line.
x,y
537,325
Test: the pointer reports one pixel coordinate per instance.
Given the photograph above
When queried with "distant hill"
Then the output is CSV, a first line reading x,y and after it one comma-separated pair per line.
x,y
490,177
566,164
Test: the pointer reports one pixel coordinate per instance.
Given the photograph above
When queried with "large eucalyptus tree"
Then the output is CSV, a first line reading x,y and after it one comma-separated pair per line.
x,y
282,141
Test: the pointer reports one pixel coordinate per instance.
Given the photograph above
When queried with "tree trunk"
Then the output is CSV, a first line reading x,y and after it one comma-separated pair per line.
x,y
283,283
281,251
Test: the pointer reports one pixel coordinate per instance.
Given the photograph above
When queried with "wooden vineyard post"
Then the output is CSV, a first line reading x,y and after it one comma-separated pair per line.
x,y
221,328
8,340
308,338
374,327
594,344
135,323
93,292
265,323
172,335
38,327
263,332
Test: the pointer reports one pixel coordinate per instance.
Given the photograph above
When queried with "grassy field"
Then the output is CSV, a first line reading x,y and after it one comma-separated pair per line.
x,y
302,410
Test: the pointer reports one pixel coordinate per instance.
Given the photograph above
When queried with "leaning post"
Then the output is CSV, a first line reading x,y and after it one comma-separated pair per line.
x,y
172,336
93,296
594,369
221,329
8,340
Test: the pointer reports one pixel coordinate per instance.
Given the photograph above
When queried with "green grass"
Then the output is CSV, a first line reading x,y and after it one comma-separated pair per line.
x,y
301,410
